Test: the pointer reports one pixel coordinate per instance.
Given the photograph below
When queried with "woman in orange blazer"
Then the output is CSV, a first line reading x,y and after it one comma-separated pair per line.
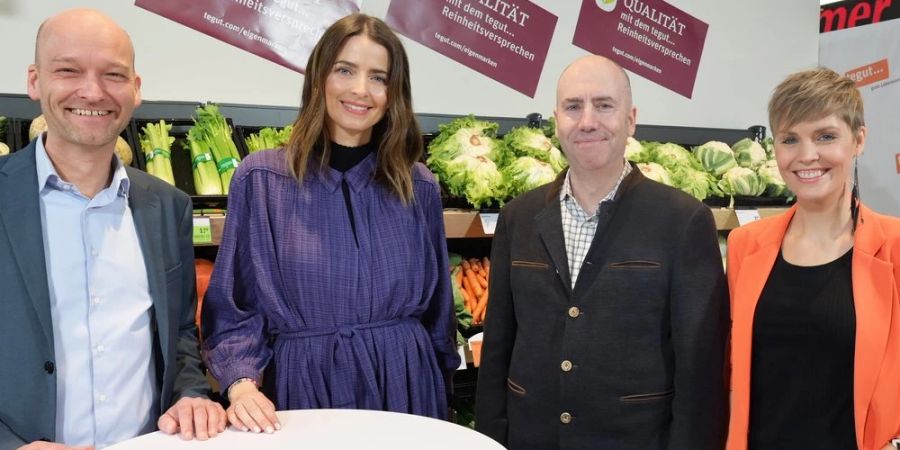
x,y
814,291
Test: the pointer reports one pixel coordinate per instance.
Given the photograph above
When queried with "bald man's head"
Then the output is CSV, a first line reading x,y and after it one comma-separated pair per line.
x,y
602,65
84,77
88,19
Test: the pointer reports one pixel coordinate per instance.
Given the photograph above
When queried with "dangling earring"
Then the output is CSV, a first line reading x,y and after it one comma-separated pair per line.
x,y
854,193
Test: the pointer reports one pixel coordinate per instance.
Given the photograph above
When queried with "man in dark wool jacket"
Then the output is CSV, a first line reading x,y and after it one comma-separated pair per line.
x,y
608,311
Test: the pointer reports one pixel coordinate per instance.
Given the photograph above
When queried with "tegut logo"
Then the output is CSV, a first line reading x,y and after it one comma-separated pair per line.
x,y
606,5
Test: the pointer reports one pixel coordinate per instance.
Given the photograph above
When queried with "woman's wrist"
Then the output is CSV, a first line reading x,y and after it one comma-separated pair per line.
x,y
240,386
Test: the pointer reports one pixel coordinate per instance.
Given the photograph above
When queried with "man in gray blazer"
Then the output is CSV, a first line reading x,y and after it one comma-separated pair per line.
x,y
97,292
608,311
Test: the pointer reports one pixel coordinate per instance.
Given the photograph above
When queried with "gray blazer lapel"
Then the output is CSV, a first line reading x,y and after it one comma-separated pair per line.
x,y
20,215
146,211
549,226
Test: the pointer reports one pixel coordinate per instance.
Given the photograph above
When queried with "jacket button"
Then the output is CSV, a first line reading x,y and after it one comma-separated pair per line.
x,y
566,365
574,312
49,367
565,418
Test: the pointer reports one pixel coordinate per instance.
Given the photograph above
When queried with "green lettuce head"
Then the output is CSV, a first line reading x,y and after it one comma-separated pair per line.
x,y
715,157
695,182
749,153
656,172
672,156
775,185
742,181
474,177
465,136
527,141
635,151
526,173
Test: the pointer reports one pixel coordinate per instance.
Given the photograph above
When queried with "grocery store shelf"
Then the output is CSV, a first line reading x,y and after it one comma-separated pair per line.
x,y
728,219
460,223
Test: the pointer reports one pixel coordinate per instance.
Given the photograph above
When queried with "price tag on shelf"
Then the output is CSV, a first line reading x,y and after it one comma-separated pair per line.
x,y
745,216
462,357
202,231
489,222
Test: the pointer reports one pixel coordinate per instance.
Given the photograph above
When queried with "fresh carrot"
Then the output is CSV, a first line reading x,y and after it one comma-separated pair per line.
x,y
482,281
476,263
459,277
474,285
467,299
486,263
482,304
465,265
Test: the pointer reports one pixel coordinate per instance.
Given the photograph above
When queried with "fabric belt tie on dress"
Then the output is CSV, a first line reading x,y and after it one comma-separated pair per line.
x,y
346,348
346,330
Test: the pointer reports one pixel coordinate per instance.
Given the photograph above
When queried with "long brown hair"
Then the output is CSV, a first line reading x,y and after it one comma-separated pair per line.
x,y
397,134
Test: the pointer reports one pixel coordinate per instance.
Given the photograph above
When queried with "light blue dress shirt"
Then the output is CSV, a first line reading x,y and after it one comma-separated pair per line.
x,y
100,305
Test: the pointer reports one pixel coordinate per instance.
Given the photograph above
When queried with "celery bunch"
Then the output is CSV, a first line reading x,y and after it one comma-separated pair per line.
x,y
212,129
206,176
157,147
268,138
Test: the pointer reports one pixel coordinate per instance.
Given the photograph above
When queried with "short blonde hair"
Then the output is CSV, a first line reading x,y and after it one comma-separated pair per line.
x,y
813,94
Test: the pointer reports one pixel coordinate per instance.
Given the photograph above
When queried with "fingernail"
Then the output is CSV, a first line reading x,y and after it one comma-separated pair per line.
x,y
277,426
256,430
270,430
245,429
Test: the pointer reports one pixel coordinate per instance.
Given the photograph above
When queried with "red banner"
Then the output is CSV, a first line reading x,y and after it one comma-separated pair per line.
x,y
648,37
282,31
504,40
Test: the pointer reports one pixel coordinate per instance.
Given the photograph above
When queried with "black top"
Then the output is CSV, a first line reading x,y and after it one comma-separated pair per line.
x,y
343,159
804,332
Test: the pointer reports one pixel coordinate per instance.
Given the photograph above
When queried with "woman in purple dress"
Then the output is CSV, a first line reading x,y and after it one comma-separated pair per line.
x,y
332,274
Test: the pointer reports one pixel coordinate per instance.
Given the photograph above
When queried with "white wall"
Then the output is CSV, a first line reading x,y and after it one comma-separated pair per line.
x,y
750,47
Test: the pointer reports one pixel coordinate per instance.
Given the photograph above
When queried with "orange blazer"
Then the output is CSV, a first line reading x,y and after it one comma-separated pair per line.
x,y
752,250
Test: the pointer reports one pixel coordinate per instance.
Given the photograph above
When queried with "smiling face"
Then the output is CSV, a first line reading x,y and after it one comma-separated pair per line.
x,y
84,78
815,158
356,93
594,116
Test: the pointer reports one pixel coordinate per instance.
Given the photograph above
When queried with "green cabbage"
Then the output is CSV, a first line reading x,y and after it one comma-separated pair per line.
x,y
525,174
656,172
527,141
749,153
742,181
715,157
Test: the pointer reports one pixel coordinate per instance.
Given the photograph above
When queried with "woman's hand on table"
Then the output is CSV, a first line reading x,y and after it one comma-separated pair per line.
x,y
250,410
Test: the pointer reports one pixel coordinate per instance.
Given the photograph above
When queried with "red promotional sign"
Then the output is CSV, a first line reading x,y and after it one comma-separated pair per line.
x,y
282,31
648,37
504,40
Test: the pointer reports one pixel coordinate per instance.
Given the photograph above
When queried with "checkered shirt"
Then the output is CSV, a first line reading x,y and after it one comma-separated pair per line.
x,y
578,227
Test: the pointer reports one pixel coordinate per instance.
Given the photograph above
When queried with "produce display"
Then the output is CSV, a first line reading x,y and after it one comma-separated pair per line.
x,y
4,149
713,169
157,147
213,135
203,166
469,278
39,125
472,162
268,138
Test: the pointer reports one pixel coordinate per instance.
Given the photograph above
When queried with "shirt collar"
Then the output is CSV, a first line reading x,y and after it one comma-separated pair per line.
x,y
566,191
48,177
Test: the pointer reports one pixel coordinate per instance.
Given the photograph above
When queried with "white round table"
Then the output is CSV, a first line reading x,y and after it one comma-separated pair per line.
x,y
332,428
